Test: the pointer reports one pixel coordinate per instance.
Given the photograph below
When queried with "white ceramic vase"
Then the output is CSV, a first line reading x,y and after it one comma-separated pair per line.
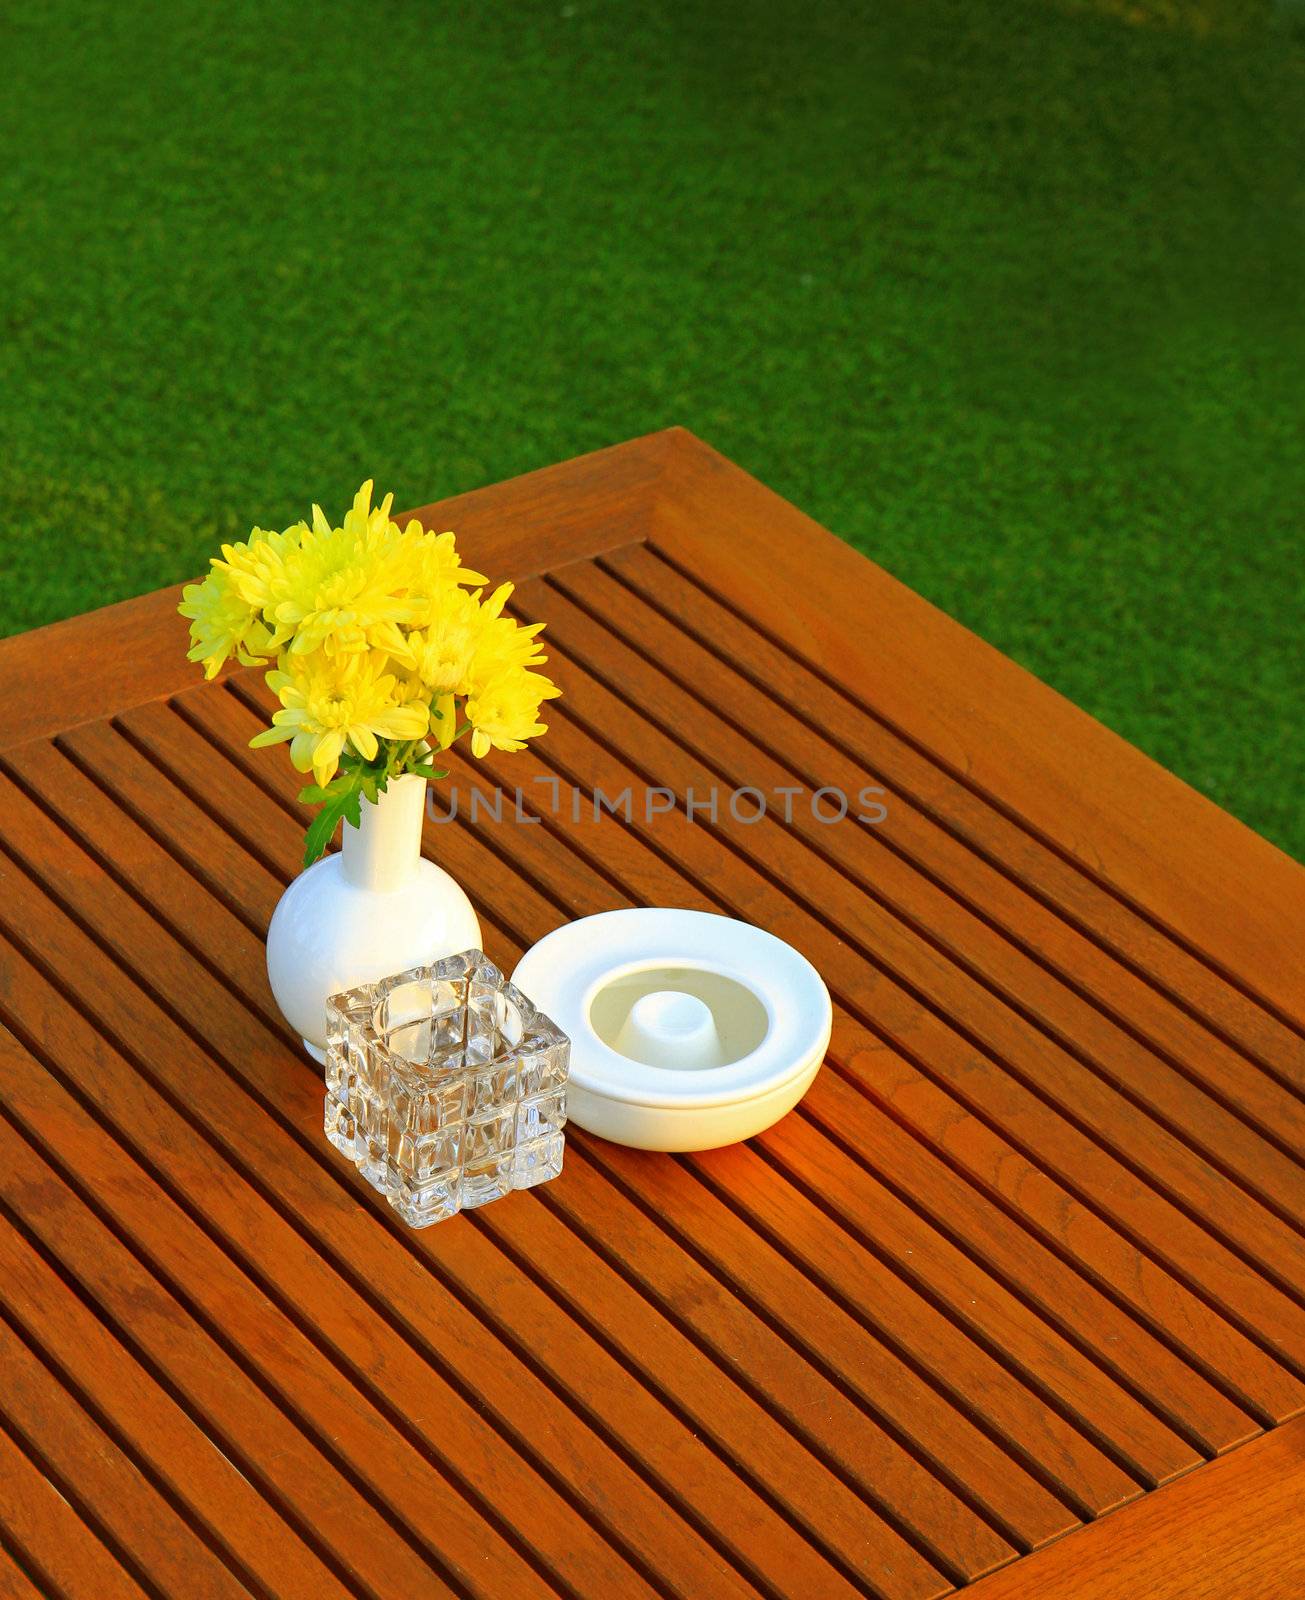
x,y
375,908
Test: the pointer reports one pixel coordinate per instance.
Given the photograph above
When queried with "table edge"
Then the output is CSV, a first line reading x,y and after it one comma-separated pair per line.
x,y
1238,1521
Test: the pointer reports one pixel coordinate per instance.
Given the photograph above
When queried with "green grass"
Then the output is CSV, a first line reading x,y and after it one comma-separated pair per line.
x,y
1009,295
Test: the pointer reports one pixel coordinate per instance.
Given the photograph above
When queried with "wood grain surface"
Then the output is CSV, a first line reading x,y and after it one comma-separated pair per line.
x,y
1013,1302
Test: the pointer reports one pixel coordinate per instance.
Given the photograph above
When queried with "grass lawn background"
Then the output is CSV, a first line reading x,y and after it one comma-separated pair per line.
x,y
1009,295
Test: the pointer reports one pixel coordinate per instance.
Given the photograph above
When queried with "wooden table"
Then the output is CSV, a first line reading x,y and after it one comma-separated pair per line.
x,y
985,1310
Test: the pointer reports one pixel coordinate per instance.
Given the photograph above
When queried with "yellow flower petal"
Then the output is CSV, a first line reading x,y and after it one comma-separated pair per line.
x,y
364,742
326,758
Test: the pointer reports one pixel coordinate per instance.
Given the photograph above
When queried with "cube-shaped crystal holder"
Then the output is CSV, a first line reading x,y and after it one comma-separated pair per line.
x,y
445,1086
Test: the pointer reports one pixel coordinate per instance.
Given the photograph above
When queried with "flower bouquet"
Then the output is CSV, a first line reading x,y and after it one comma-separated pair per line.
x,y
383,649
381,656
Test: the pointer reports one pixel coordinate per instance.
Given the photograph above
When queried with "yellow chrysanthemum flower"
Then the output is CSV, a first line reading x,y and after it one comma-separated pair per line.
x,y
255,569
443,651
330,701
504,713
439,569
222,624
503,643
345,590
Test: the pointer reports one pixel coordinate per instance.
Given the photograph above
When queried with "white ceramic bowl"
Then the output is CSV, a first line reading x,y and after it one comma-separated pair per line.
x,y
687,1030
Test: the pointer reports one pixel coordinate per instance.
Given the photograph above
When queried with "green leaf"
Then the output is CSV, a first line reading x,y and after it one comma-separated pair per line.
x,y
341,801
353,807
319,833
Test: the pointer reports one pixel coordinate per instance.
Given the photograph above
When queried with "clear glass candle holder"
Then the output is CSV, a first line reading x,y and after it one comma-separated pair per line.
x,y
446,1087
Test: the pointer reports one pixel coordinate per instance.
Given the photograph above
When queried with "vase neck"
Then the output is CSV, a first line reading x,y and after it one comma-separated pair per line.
x,y
382,852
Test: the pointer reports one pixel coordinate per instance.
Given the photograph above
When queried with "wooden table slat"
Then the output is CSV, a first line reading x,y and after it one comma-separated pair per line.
x,y
56,1544
15,1582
